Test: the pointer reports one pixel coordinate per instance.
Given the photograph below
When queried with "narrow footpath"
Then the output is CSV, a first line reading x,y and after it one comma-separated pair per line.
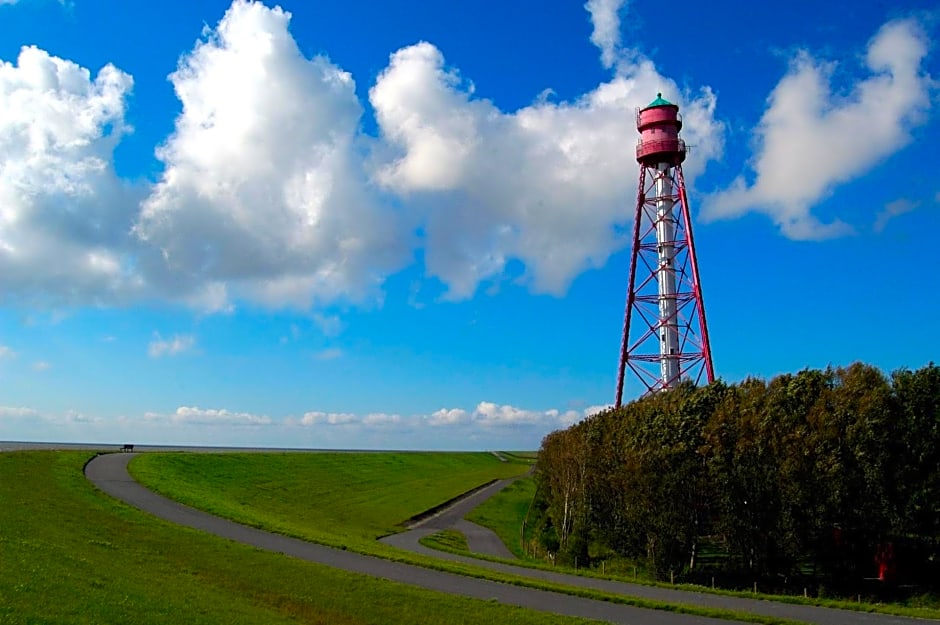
x,y
109,473
480,539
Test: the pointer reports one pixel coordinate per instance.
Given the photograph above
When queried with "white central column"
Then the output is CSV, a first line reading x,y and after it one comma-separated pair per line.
x,y
666,277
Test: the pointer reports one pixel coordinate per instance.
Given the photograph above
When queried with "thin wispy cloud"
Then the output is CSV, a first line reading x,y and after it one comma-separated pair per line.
x,y
17,412
891,210
331,353
172,346
329,325
605,18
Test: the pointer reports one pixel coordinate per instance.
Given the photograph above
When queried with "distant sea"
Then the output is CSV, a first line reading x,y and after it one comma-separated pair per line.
x,y
31,445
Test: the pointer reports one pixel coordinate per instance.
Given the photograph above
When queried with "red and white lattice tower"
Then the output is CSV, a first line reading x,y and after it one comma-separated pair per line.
x,y
665,337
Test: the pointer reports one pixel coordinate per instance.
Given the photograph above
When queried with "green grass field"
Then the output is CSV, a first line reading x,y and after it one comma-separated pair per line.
x,y
71,554
350,499
447,540
522,456
340,499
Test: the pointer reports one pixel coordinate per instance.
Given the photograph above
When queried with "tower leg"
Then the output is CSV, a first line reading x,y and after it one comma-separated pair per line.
x,y
624,344
696,282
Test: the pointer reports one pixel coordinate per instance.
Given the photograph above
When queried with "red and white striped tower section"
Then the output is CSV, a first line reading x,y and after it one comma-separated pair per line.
x,y
665,337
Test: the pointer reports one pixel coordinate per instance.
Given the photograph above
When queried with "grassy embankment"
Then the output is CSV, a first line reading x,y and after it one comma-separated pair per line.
x,y
70,554
349,499
339,499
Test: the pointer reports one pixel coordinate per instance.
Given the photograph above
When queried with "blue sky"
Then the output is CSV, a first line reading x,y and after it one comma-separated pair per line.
x,y
403,224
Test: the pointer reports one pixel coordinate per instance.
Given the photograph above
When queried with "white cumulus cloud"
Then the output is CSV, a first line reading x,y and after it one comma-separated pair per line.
x,y
489,414
593,410
448,416
263,190
170,347
813,138
64,214
271,192
550,184
381,419
193,415
328,418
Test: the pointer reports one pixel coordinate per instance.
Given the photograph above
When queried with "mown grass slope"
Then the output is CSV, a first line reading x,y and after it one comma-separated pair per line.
x,y
340,499
349,499
71,554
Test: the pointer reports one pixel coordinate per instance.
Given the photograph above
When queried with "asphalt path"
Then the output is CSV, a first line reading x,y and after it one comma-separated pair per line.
x,y
109,473
480,539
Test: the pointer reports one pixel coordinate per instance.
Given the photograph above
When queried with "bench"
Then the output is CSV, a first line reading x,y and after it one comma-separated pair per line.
x,y
127,447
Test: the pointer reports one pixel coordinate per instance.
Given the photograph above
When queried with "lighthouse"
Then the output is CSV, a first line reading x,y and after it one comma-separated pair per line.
x,y
665,334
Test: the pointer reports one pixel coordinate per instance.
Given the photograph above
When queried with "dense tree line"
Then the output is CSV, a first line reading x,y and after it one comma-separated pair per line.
x,y
819,478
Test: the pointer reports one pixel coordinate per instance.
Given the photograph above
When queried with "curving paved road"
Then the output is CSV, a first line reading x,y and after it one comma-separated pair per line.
x,y
109,473
479,539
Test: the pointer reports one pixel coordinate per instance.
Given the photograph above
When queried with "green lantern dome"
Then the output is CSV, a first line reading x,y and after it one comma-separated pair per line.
x,y
659,101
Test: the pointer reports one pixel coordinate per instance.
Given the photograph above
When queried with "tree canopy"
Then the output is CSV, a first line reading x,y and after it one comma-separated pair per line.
x,y
821,477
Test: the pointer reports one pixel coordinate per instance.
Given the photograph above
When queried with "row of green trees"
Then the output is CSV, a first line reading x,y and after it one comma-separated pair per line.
x,y
826,477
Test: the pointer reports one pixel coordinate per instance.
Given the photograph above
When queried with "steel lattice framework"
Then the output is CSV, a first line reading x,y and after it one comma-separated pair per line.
x,y
664,298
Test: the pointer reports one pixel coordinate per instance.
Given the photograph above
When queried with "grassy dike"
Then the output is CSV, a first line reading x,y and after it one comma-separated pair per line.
x,y
338,499
348,500
70,554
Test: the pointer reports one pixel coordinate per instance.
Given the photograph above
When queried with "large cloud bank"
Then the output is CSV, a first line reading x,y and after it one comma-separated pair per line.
x,y
271,193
